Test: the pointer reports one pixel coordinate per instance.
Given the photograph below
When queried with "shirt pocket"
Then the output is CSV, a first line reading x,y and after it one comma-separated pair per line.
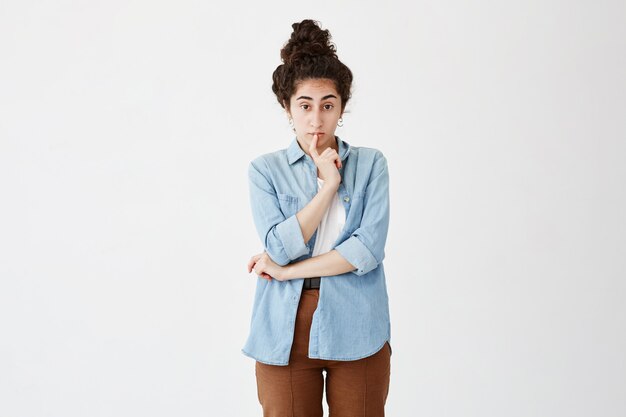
x,y
358,204
288,204
355,213
358,194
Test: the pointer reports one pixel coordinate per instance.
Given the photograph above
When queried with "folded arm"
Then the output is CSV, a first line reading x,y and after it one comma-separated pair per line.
x,y
365,248
327,264
284,239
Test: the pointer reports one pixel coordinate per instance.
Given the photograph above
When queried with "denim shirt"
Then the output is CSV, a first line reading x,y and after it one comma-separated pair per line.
x,y
352,316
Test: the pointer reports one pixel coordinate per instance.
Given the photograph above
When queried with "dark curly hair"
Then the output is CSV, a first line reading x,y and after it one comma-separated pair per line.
x,y
309,54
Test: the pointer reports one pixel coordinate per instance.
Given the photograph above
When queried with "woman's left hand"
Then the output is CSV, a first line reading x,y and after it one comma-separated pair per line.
x,y
263,266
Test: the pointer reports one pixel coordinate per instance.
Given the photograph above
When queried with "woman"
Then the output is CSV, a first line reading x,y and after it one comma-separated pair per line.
x,y
321,209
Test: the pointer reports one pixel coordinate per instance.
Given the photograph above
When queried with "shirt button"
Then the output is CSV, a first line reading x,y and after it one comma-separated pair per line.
x,y
346,199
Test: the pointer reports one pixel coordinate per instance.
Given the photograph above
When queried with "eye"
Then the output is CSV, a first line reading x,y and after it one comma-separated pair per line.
x,y
328,106
304,106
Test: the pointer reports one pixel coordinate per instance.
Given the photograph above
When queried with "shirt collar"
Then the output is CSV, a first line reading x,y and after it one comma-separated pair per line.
x,y
295,152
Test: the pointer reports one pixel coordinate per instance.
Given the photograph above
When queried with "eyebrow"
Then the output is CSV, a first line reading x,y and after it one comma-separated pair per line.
x,y
323,98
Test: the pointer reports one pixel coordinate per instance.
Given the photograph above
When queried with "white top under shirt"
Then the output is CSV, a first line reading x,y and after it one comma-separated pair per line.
x,y
331,224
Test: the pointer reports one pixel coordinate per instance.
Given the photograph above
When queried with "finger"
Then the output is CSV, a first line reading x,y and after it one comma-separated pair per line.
x,y
264,275
327,152
331,156
313,147
252,261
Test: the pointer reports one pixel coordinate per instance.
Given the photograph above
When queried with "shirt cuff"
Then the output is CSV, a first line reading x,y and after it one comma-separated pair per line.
x,y
355,252
290,234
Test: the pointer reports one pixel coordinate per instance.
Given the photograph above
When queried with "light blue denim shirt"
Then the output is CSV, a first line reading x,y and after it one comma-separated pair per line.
x,y
352,316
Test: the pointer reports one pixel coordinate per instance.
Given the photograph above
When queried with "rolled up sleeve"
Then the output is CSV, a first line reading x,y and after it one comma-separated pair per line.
x,y
365,248
281,236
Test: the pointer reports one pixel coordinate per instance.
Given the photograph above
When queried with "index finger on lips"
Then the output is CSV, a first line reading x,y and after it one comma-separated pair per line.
x,y
313,147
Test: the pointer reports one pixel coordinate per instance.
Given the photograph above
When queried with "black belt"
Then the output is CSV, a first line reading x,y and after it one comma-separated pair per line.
x,y
311,283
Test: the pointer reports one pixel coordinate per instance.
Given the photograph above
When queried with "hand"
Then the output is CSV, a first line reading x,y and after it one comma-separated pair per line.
x,y
263,266
328,163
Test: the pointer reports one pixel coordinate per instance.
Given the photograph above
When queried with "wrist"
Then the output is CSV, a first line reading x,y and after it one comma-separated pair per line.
x,y
286,272
331,186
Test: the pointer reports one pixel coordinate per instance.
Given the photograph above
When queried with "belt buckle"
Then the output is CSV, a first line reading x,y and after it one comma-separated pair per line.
x,y
312,283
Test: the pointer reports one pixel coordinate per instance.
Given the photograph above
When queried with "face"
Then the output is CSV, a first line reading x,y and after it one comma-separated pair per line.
x,y
315,107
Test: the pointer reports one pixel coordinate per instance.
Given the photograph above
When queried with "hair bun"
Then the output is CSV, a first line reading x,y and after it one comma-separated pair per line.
x,y
309,54
307,40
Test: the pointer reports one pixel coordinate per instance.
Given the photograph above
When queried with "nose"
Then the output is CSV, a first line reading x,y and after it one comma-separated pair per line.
x,y
316,119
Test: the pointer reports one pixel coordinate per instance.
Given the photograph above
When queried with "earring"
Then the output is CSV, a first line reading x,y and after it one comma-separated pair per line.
x,y
340,122
290,122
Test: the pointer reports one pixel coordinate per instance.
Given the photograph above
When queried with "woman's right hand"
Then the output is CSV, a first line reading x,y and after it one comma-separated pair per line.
x,y
328,163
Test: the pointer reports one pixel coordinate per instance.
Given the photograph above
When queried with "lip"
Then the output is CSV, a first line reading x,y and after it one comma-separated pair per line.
x,y
316,133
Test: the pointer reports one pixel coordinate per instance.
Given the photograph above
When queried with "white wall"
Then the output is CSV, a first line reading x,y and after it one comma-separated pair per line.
x,y
125,228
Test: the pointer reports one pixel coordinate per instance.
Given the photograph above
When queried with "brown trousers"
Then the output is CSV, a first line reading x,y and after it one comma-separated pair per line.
x,y
353,388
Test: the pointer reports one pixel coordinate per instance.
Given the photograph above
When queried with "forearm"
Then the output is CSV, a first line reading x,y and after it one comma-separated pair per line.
x,y
327,264
311,215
